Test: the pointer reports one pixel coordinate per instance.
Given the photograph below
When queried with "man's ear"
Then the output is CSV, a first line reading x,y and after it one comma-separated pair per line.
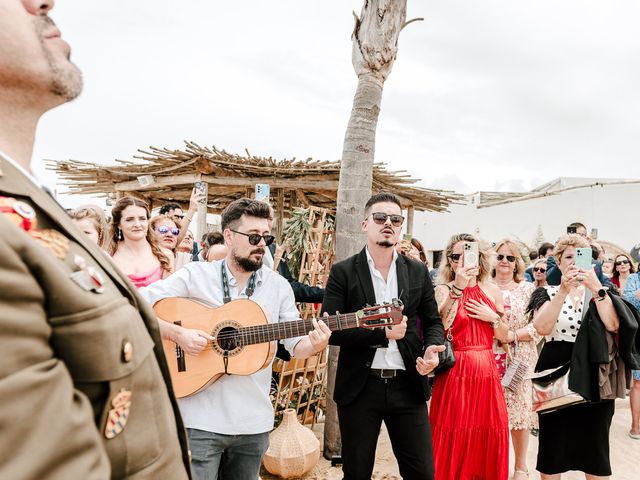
x,y
363,225
227,233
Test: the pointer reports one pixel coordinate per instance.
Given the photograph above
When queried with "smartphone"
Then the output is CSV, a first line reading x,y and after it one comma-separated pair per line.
x,y
202,188
571,230
583,258
594,233
262,192
470,253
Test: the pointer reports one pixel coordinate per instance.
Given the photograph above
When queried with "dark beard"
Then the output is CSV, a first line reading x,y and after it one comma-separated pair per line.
x,y
247,264
386,243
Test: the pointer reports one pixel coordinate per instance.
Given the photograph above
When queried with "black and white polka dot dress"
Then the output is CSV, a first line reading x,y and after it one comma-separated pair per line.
x,y
576,437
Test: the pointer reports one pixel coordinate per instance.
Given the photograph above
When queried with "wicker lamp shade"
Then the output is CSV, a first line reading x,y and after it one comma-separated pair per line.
x,y
293,448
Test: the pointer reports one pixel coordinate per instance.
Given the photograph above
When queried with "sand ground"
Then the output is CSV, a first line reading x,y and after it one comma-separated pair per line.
x,y
625,455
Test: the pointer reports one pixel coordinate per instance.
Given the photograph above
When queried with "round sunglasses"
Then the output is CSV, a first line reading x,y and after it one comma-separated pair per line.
x,y
254,238
510,258
164,229
381,218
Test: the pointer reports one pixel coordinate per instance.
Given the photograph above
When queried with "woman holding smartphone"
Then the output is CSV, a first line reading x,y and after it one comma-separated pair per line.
x,y
575,437
468,411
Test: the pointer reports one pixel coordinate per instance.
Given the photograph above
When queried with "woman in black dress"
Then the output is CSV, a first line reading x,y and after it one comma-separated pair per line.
x,y
575,437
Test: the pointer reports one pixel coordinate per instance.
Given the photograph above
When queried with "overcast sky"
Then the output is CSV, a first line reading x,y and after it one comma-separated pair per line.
x,y
489,95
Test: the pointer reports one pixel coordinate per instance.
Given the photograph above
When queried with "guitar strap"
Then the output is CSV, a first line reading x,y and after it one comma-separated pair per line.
x,y
251,284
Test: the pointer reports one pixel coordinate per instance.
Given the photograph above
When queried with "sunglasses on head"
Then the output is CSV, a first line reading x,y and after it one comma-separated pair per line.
x,y
381,218
510,258
622,262
254,238
164,229
454,257
539,270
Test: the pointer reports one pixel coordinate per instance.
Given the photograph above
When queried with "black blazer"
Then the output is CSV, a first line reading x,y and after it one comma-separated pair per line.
x,y
349,289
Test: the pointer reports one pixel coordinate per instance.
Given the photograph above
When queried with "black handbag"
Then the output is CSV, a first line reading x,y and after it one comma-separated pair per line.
x,y
447,358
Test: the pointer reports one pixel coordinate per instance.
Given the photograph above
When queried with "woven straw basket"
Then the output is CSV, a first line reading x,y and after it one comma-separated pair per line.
x,y
293,448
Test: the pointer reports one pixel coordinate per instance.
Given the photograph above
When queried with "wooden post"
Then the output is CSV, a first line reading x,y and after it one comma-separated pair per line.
x,y
201,228
410,220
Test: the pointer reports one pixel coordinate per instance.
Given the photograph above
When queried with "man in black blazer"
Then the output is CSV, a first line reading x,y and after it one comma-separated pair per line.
x,y
377,377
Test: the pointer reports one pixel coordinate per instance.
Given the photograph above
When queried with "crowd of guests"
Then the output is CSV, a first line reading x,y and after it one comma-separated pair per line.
x,y
511,307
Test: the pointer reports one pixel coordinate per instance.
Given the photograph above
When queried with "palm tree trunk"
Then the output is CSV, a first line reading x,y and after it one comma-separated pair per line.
x,y
375,39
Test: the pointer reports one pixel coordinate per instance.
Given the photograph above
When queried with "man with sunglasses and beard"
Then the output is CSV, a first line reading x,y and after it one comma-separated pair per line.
x,y
380,372
228,422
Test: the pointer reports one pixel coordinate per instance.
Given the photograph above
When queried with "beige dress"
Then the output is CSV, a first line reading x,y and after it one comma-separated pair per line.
x,y
516,300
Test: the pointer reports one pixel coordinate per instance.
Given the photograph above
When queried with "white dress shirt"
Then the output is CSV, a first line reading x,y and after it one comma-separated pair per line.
x,y
386,291
234,404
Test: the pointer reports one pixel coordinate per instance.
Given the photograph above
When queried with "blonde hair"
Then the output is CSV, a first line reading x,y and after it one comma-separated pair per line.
x,y
89,213
570,240
485,258
518,275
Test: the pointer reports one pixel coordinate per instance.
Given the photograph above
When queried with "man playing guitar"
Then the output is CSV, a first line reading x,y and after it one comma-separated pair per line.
x,y
228,422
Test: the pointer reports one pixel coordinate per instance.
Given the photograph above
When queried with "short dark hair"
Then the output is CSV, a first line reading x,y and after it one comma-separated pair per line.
x,y
165,209
544,248
381,198
576,225
533,254
214,238
244,206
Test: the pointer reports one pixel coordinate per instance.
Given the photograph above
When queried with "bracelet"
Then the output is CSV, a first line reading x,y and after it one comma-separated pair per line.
x,y
496,323
453,296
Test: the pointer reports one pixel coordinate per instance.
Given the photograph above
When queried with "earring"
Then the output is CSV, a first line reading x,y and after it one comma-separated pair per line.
x,y
120,235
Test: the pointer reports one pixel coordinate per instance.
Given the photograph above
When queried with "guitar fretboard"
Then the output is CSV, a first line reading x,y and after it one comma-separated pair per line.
x,y
298,328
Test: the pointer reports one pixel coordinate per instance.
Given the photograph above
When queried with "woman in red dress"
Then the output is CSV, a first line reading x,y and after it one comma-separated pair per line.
x,y
468,410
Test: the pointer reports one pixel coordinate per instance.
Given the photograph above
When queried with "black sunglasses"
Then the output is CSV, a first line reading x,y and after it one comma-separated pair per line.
x,y
510,258
539,269
622,262
454,256
254,238
381,218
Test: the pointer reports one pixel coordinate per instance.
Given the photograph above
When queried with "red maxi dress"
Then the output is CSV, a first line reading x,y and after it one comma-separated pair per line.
x,y
468,410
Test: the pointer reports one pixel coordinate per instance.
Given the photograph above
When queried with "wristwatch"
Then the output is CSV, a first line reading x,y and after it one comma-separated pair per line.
x,y
496,323
601,294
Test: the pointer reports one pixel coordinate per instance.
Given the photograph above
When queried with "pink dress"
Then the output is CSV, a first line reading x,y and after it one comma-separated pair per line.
x,y
145,280
468,412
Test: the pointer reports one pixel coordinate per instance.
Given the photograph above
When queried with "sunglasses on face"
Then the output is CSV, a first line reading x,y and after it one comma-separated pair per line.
x,y
381,218
622,262
254,238
454,257
540,270
164,229
510,258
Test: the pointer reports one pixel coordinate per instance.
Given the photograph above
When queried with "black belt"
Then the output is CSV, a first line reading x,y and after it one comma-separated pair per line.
x,y
385,372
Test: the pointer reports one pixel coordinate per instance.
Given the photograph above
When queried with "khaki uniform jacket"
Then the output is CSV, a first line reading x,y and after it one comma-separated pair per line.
x,y
84,387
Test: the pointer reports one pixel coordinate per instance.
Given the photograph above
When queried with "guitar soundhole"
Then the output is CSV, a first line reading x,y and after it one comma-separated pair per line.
x,y
228,339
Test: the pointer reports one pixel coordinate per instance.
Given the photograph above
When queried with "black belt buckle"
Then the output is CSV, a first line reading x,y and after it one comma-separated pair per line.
x,y
385,373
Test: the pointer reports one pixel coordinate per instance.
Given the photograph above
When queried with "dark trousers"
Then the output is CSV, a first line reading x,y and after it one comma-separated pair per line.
x,y
406,419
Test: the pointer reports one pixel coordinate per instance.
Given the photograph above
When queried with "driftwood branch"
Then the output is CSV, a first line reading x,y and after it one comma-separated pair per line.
x,y
417,19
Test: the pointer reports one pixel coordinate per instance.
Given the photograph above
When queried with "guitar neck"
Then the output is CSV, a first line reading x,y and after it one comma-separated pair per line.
x,y
298,328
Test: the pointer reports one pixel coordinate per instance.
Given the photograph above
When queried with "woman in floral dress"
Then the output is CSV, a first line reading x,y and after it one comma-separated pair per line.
x,y
509,275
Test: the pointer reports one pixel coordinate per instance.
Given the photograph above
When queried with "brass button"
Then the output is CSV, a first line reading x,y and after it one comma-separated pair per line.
x,y
127,351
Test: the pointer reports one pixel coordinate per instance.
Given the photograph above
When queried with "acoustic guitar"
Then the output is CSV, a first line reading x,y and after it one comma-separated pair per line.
x,y
244,337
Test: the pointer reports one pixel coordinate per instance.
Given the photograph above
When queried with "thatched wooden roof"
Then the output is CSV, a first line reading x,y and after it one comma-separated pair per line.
x,y
231,176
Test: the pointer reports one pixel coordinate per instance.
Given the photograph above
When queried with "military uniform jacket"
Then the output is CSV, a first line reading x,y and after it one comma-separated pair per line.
x,y
84,388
